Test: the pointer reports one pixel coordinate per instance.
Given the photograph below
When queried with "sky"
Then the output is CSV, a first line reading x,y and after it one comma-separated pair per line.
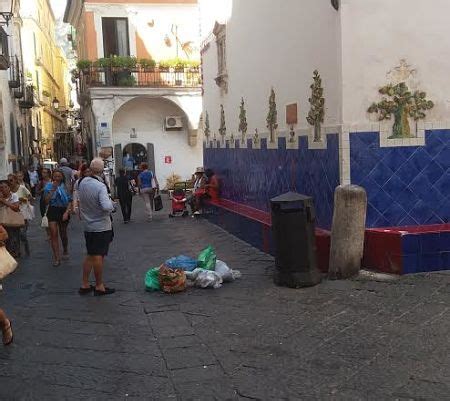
x,y
58,7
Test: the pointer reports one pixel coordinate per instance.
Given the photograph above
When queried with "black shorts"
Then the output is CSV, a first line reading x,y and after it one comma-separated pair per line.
x,y
97,243
55,214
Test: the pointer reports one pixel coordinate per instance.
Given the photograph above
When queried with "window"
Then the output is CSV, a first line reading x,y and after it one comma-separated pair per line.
x,y
4,53
115,37
222,76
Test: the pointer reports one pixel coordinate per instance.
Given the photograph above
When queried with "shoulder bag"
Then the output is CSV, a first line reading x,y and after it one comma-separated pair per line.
x,y
7,263
10,218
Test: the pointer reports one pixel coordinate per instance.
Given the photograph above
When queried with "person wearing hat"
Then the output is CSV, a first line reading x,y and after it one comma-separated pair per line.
x,y
68,172
194,201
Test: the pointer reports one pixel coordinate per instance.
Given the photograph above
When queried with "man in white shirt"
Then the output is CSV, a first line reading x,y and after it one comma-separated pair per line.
x,y
96,207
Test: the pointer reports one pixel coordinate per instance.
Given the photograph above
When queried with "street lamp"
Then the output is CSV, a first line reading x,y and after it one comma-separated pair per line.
x,y
55,103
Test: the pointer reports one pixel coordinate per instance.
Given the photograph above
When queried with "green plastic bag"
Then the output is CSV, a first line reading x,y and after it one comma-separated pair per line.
x,y
152,280
207,258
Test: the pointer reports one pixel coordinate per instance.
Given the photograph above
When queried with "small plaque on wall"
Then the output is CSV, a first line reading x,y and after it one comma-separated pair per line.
x,y
291,114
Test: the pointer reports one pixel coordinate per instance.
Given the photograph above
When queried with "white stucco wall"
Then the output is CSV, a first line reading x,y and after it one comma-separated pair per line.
x,y
163,16
146,116
275,44
377,34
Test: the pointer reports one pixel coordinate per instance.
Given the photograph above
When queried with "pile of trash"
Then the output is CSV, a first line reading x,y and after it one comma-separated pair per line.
x,y
179,272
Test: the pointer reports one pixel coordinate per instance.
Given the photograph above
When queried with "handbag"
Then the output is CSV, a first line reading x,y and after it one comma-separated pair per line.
x,y
27,211
158,202
44,222
7,263
10,218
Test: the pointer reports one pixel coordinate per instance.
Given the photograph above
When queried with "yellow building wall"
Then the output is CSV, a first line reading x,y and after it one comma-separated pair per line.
x,y
46,68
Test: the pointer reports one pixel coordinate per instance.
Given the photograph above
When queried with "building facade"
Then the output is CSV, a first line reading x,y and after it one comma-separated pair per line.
x,y
308,95
47,75
139,82
14,138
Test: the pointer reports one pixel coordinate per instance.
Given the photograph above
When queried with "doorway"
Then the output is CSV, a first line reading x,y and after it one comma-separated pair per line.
x,y
133,155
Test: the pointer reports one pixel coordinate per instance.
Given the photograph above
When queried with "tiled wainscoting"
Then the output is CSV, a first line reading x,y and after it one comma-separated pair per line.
x,y
253,176
408,189
407,185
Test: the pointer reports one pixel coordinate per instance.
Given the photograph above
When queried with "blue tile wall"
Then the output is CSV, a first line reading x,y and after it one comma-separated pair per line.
x,y
405,185
254,176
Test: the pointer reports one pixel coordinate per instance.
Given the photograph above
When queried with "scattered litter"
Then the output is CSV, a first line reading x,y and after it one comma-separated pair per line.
x,y
207,278
172,281
152,280
180,272
227,274
185,263
207,258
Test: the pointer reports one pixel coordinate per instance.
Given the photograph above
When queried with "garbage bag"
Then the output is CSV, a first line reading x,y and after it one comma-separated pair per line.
x,y
152,280
207,278
225,272
172,280
207,258
194,273
185,263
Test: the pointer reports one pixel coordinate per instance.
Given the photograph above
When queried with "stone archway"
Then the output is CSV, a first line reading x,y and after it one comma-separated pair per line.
x,y
140,123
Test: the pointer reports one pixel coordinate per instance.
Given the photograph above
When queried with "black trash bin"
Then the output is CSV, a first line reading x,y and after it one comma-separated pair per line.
x,y
293,219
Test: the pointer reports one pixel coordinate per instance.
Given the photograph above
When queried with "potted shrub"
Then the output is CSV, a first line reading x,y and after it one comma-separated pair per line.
x,y
46,95
84,66
164,66
147,64
129,80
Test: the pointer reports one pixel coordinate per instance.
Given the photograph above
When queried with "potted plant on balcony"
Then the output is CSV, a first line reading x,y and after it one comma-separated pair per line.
x,y
123,66
46,95
164,66
84,66
148,65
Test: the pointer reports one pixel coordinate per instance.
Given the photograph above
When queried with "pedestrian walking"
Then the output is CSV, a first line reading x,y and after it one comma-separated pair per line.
x,y
45,179
10,202
26,209
125,192
59,207
96,207
34,179
68,173
148,185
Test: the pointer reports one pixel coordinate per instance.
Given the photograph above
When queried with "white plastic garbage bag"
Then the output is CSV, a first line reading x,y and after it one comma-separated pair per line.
x,y
207,278
225,272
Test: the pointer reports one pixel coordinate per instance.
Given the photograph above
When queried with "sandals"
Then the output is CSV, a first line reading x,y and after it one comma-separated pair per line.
x,y
56,263
4,331
84,291
107,291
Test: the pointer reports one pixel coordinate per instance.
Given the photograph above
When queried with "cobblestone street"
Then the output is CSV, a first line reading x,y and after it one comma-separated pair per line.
x,y
342,340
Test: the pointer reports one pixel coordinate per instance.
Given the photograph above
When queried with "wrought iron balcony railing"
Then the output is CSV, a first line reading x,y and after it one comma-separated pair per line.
x,y
140,77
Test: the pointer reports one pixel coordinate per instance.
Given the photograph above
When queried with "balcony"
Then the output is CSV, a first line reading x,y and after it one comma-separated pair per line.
x,y
95,77
28,100
15,73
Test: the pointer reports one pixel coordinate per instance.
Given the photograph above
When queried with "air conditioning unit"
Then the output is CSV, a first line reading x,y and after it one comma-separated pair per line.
x,y
173,123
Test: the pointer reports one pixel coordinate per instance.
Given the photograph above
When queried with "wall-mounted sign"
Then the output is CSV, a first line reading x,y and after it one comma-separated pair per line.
x,y
168,159
291,114
133,133
104,135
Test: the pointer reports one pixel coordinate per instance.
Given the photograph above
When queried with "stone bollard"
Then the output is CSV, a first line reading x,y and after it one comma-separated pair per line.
x,y
347,231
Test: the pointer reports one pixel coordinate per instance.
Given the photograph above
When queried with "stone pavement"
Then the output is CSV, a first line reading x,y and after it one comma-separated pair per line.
x,y
249,340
